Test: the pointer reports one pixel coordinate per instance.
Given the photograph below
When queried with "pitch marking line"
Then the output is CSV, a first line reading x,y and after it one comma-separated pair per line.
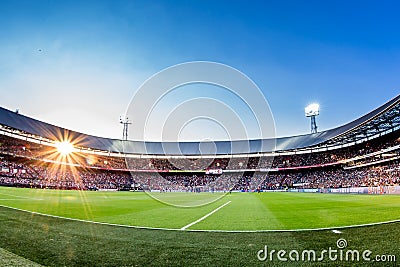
x,y
211,231
205,216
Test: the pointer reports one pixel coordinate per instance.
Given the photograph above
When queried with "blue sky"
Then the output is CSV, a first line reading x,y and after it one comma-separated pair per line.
x,y
77,64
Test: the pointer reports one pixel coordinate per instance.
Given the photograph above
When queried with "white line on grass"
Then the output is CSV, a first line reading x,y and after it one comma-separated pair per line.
x,y
212,231
205,216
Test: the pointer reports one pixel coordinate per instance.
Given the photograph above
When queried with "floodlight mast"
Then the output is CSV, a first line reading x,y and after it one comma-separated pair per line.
x,y
314,127
312,111
125,121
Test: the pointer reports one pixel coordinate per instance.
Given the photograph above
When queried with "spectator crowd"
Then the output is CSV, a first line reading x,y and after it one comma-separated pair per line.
x,y
27,164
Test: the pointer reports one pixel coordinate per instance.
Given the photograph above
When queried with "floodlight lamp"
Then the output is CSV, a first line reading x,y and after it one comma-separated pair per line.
x,y
312,110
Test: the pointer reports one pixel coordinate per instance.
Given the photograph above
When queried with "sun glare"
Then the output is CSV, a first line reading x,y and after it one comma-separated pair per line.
x,y
65,148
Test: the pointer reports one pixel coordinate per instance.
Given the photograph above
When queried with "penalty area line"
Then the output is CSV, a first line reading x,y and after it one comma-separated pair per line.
x,y
205,216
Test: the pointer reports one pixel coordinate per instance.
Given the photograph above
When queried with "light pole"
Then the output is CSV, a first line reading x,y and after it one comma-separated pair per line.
x,y
312,111
125,121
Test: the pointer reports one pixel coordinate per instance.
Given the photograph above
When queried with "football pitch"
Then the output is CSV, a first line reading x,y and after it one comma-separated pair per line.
x,y
232,212
126,228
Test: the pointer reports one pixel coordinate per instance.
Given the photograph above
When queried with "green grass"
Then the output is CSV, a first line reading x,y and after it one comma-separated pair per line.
x,y
53,241
245,212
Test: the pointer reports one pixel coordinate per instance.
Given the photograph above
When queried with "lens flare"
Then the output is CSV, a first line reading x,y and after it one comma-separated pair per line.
x,y
65,148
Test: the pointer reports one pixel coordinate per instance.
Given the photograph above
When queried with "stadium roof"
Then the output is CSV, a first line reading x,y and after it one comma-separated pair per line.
x,y
379,121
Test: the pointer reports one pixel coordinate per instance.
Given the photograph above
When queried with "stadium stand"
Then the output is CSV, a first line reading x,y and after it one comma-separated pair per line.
x,y
362,153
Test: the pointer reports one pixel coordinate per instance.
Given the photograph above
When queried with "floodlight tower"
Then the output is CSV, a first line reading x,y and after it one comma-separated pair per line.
x,y
312,111
125,121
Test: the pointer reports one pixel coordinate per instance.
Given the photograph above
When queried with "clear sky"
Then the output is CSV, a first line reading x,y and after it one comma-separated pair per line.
x,y
77,64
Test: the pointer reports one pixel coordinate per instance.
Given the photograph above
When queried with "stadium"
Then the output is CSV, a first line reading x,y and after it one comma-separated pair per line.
x,y
68,198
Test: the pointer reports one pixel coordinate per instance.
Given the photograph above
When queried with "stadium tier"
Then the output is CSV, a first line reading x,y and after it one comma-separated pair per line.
x,y
362,153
